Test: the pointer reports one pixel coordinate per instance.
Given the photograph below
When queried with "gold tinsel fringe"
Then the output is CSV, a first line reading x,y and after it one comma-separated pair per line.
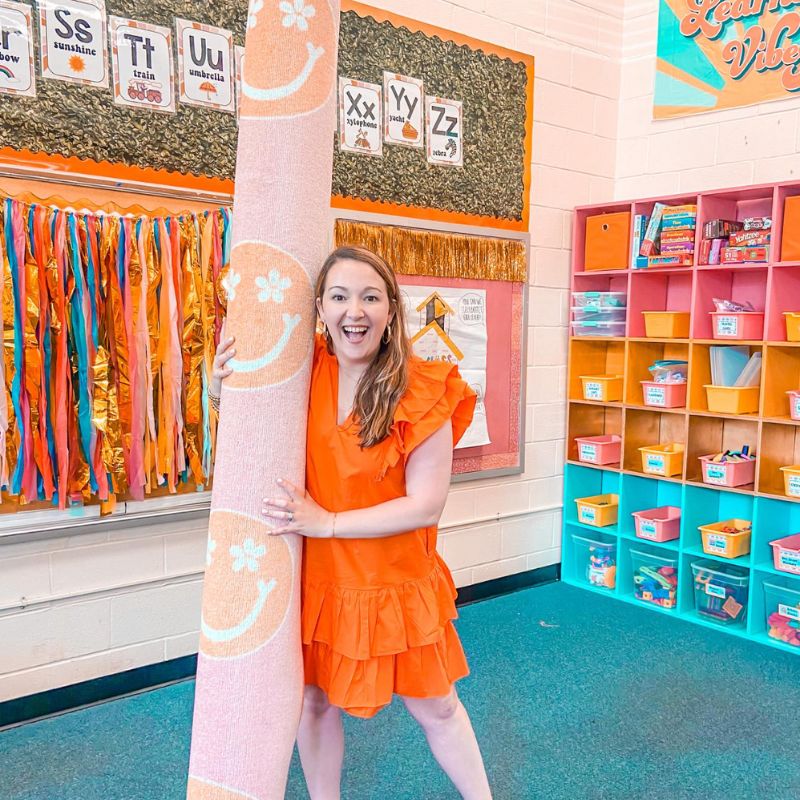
x,y
442,255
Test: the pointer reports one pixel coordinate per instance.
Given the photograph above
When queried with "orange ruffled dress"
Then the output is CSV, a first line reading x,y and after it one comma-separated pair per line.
x,y
377,613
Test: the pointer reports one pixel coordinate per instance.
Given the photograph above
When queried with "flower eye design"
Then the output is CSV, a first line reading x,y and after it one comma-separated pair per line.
x,y
230,282
255,7
210,548
273,287
296,13
247,555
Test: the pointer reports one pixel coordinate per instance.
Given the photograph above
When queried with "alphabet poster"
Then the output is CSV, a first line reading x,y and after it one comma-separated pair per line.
x,y
402,110
74,46
360,120
444,123
206,66
17,74
143,66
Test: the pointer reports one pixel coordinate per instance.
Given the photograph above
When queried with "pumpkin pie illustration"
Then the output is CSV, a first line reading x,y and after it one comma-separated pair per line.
x,y
409,131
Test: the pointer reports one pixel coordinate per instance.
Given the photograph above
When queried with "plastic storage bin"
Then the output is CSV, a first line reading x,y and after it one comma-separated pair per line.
x,y
666,324
655,579
662,524
791,480
732,399
598,314
782,609
599,510
786,554
595,561
664,395
605,388
794,404
792,325
600,299
665,460
728,473
599,449
727,539
720,592
593,328
737,325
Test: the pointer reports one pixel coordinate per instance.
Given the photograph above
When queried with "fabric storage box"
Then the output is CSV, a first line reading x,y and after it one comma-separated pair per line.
x,y
664,395
732,399
790,240
666,324
728,473
595,561
737,325
598,314
599,510
791,480
720,592
782,610
608,239
606,388
600,299
794,404
792,325
727,539
665,460
599,449
662,524
594,328
786,554
655,579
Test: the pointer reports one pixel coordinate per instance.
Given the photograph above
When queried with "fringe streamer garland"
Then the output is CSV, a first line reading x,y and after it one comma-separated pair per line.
x,y
109,329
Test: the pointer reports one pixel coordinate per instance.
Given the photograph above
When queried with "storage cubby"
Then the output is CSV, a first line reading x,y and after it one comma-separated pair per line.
x,y
773,594
579,232
759,417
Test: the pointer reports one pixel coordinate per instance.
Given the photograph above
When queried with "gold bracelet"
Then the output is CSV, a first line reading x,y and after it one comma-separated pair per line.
x,y
214,400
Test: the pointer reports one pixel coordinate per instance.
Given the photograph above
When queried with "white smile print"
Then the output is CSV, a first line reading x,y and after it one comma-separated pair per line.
x,y
288,89
252,365
229,634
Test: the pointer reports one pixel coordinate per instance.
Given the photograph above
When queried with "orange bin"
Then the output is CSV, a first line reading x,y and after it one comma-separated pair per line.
x,y
792,325
608,241
666,324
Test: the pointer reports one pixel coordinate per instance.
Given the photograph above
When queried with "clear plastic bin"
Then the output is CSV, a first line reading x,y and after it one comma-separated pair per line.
x,y
602,299
595,561
598,314
655,579
721,592
782,610
599,449
662,524
593,328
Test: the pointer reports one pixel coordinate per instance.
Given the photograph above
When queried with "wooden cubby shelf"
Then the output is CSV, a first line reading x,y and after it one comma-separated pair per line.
x,y
770,431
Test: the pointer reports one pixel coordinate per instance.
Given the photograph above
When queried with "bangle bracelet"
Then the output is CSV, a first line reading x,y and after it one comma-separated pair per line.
x,y
333,530
214,400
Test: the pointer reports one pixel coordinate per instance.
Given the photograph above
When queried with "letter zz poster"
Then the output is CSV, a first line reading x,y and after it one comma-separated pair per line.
x,y
714,55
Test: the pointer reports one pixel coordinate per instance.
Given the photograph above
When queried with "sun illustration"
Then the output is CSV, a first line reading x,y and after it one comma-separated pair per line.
x,y
77,64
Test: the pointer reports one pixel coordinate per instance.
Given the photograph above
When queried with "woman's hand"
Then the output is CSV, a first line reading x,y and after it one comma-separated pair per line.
x,y
299,514
220,371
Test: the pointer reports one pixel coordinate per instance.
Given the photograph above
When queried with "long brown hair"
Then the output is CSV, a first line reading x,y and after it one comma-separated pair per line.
x,y
382,385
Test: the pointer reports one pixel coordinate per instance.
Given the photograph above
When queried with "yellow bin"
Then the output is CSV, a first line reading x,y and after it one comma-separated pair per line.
x,y
733,399
791,480
792,325
666,324
599,510
605,388
665,460
719,542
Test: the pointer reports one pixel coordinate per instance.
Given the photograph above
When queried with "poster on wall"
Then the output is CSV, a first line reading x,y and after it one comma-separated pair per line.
x,y
713,55
449,324
402,110
17,73
360,120
205,66
143,68
444,124
73,40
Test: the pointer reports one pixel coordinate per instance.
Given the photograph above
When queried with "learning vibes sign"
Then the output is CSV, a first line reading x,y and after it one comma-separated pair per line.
x,y
715,54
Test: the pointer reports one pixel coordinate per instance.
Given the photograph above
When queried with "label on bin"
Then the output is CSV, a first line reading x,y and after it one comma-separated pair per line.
x,y
647,529
655,396
793,486
796,407
715,591
790,559
727,326
655,463
587,514
716,473
588,452
717,542
793,612
592,390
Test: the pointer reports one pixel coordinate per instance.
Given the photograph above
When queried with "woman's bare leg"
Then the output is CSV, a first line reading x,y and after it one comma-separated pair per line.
x,y
320,741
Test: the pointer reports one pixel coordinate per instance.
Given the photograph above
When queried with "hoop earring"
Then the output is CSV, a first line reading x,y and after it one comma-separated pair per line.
x,y
387,335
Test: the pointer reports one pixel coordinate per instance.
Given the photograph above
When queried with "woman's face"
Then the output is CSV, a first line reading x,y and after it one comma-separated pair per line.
x,y
355,306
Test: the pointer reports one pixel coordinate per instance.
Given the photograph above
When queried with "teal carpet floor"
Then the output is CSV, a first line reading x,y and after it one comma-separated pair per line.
x,y
573,696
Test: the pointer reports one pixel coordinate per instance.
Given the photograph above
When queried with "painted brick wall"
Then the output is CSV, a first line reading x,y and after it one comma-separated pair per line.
x,y
79,607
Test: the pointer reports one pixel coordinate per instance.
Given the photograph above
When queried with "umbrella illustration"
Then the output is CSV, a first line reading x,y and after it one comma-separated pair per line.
x,y
208,88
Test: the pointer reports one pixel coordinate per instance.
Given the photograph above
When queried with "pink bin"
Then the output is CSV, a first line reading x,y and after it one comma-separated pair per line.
x,y
658,524
786,553
794,404
599,449
664,395
737,325
728,473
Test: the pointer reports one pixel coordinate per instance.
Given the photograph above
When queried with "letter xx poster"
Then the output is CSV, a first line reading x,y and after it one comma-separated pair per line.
x,y
714,55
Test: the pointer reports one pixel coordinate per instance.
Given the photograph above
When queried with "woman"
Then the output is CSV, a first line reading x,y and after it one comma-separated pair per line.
x,y
378,601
